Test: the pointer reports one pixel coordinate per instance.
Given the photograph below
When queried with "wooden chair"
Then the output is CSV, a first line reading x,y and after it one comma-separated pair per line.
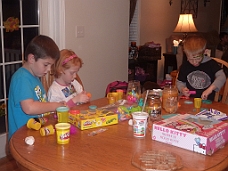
x,y
224,90
49,78
174,75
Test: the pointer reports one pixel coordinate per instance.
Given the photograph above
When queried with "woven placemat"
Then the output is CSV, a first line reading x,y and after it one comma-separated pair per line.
x,y
157,160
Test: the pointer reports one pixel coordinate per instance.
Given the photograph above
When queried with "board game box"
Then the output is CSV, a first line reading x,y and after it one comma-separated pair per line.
x,y
195,133
89,119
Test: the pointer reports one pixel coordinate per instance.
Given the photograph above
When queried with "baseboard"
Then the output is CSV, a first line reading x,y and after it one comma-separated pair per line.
x,y
3,143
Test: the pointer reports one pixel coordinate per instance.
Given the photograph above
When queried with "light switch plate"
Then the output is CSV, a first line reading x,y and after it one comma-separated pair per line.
x,y
80,31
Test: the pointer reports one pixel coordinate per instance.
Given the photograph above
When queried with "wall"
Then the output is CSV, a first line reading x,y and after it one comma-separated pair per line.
x,y
104,48
158,20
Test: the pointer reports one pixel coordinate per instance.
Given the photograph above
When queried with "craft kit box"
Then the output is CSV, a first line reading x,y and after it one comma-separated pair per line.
x,y
91,119
192,132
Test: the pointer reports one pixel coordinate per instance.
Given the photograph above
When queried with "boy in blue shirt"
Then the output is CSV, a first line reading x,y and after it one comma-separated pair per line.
x,y
27,97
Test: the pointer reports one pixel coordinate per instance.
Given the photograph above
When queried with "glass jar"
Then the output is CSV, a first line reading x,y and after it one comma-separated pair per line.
x,y
133,91
153,107
170,98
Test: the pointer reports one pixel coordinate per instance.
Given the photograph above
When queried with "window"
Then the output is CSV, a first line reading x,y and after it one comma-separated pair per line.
x,y
19,23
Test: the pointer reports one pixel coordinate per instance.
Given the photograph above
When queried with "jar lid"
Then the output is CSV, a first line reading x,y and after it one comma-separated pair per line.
x,y
92,107
74,111
154,96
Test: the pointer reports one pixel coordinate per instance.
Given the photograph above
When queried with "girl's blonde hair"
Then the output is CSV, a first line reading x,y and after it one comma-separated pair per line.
x,y
67,59
194,45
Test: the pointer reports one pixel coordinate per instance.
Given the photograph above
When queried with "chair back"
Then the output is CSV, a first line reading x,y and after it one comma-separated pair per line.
x,y
224,90
49,78
149,85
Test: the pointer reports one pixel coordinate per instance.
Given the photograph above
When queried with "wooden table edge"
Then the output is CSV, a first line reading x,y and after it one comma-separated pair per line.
x,y
22,163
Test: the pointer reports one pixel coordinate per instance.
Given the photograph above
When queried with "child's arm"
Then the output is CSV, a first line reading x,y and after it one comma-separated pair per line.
x,y
81,98
216,85
208,91
31,107
220,79
181,86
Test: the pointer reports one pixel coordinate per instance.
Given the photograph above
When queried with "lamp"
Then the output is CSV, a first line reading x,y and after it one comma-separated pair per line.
x,y
185,24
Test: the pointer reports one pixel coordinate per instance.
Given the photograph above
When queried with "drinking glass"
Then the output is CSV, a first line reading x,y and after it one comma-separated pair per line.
x,y
133,91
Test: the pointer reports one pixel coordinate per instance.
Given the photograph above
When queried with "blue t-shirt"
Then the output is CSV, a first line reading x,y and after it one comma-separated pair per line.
x,y
23,86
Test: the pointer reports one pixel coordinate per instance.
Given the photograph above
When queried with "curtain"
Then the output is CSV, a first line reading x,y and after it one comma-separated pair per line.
x,y
132,9
52,20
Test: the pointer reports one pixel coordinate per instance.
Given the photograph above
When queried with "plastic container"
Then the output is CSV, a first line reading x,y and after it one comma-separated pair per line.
x,y
33,124
41,120
92,109
120,93
139,124
62,133
74,112
47,130
63,114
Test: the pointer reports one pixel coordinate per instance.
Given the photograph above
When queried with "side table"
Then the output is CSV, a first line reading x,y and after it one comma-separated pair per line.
x,y
170,63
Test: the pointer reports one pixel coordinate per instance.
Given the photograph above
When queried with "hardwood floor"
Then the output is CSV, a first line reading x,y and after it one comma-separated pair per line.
x,y
8,164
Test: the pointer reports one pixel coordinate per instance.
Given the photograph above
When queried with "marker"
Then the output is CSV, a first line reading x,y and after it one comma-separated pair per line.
x,y
192,92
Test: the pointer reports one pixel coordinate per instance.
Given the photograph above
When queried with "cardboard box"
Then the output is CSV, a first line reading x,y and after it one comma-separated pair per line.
x,y
93,118
191,132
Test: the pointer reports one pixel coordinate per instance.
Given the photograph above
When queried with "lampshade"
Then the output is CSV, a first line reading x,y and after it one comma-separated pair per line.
x,y
185,24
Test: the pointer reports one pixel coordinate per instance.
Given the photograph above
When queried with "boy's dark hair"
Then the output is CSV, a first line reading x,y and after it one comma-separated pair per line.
x,y
222,34
42,47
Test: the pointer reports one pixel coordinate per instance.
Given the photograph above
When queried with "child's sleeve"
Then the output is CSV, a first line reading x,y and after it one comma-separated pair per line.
x,y
22,90
220,79
55,94
78,87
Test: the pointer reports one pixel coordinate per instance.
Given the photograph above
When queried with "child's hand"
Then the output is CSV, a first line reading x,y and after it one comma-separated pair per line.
x,y
82,98
185,92
205,94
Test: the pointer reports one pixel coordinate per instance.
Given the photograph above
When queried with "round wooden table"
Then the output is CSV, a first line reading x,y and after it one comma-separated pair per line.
x,y
111,150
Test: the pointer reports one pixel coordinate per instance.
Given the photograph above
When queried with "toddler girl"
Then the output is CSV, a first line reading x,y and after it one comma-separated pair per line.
x,y
65,87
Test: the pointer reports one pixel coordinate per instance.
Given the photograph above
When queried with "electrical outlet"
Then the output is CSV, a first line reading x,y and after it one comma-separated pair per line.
x,y
79,31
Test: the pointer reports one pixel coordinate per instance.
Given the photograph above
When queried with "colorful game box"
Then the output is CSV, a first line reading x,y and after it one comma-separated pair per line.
x,y
87,119
198,134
